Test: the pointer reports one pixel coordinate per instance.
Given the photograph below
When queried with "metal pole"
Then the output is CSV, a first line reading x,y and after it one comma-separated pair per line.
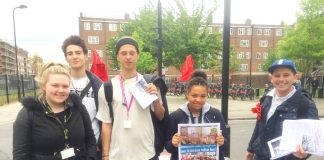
x,y
251,55
225,75
159,41
226,52
16,50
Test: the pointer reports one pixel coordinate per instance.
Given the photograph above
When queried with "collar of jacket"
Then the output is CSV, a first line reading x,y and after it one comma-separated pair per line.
x,y
33,103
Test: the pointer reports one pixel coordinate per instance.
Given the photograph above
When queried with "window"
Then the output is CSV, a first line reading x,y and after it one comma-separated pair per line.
x,y
258,55
100,53
112,27
231,31
97,26
240,55
249,31
267,32
260,67
263,43
259,31
210,30
278,32
247,55
121,26
93,39
265,55
243,67
241,31
220,30
86,26
89,53
244,43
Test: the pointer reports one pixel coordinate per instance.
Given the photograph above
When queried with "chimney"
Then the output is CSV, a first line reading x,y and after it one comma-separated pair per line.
x,y
126,16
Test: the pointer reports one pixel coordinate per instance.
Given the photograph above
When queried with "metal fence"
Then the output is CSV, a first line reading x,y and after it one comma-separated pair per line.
x,y
9,87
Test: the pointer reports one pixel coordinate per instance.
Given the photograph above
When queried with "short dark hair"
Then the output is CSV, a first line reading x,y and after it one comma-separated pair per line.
x,y
126,40
198,78
74,40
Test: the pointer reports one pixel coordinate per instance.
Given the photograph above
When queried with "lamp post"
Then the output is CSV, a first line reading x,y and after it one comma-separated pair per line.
x,y
251,56
13,14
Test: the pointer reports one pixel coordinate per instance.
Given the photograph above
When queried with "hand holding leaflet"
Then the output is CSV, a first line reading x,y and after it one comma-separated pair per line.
x,y
141,96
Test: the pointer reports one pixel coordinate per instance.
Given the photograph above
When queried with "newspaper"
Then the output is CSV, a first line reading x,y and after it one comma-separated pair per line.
x,y
198,141
141,96
275,151
305,132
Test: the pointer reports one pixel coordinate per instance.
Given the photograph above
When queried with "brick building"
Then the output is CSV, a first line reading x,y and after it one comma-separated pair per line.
x,y
8,59
245,38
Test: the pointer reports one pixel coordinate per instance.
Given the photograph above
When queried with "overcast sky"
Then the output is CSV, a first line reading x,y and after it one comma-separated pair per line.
x,y
42,27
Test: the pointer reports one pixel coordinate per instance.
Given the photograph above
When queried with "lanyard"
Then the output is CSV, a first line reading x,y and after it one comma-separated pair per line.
x,y
199,118
128,105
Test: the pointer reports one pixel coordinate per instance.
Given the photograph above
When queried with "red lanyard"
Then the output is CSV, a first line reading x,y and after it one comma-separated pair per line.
x,y
128,105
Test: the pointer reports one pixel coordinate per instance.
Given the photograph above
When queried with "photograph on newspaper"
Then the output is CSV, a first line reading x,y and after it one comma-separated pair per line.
x,y
198,141
275,151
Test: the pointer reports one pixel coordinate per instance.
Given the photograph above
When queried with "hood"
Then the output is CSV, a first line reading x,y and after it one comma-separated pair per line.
x,y
205,108
33,103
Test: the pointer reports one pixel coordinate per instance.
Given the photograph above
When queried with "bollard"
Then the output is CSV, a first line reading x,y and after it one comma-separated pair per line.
x,y
320,92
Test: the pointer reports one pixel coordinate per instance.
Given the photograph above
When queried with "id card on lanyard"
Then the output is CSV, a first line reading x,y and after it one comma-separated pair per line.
x,y
127,122
67,152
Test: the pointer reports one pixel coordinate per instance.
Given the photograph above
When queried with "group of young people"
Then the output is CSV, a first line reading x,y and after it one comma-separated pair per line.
x,y
70,119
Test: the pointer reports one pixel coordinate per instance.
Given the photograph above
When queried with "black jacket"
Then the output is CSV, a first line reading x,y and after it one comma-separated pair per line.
x,y
38,133
213,115
299,106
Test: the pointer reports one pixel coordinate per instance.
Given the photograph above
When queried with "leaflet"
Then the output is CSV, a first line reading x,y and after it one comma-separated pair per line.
x,y
198,141
275,151
141,96
305,132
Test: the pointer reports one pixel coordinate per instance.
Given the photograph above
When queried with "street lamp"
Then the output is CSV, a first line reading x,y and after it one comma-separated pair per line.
x,y
13,14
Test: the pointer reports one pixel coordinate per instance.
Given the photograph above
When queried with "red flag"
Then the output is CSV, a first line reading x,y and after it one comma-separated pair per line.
x,y
187,68
98,66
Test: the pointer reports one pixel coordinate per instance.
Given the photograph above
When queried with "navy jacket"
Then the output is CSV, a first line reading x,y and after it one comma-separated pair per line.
x,y
212,115
299,106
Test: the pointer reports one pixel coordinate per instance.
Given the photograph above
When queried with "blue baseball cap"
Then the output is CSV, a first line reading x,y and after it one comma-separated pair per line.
x,y
283,63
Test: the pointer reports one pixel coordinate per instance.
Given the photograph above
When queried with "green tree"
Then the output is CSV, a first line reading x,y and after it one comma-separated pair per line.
x,y
35,62
183,34
304,42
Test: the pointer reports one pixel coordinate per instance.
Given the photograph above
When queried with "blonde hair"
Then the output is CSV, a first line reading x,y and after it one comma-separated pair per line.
x,y
47,70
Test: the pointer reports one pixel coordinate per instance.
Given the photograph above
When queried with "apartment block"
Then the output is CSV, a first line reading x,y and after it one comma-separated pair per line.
x,y
8,63
252,42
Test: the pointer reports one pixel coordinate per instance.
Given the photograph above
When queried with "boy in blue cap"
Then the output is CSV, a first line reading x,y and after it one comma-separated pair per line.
x,y
284,101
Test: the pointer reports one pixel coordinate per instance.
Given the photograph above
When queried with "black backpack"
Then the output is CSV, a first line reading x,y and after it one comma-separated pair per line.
x,y
160,126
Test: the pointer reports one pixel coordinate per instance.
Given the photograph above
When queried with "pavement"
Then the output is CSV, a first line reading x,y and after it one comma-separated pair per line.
x,y
237,109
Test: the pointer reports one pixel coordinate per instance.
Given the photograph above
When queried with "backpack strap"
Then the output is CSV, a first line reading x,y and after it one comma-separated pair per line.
x,y
85,90
109,98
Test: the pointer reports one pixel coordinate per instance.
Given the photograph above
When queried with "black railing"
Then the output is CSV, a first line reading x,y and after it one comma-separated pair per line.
x,y
9,87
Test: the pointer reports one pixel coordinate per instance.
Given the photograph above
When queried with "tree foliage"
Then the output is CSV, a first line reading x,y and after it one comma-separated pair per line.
x,y
304,43
183,34
35,62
